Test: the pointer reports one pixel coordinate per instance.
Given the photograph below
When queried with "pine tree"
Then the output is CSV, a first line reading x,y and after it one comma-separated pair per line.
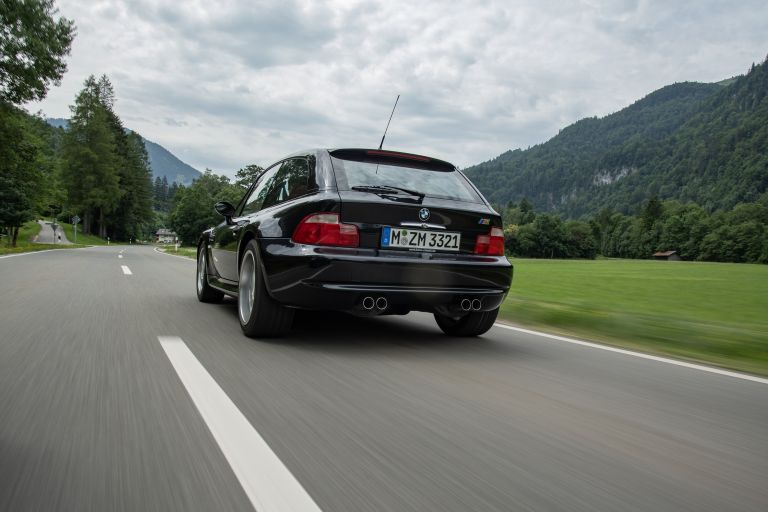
x,y
158,194
90,160
164,192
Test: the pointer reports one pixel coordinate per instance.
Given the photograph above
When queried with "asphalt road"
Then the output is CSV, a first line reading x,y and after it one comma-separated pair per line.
x,y
383,414
47,236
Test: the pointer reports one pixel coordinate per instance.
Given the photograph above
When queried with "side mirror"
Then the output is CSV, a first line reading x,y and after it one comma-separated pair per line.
x,y
225,209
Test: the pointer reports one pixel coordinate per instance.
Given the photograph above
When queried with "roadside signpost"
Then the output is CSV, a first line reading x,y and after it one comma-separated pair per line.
x,y
75,220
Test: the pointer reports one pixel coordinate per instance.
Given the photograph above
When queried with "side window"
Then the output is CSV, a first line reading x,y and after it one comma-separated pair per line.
x,y
292,180
255,200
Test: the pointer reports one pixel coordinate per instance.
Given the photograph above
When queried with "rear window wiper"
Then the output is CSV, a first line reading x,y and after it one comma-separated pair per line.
x,y
387,189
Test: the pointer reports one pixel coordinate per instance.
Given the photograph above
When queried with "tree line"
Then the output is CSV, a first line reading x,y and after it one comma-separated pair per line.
x,y
191,208
33,44
95,169
163,194
104,168
738,235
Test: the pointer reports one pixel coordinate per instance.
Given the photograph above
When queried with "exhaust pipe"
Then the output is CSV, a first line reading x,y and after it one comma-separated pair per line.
x,y
381,303
466,305
476,304
368,303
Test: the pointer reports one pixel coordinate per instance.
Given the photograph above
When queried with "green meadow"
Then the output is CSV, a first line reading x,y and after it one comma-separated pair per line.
x,y
715,313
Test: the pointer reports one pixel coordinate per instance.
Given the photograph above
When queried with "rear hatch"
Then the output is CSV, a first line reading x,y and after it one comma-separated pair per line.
x,y
410,204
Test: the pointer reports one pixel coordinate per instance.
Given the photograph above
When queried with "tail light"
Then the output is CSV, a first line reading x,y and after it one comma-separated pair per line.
x,y
491,244
325,229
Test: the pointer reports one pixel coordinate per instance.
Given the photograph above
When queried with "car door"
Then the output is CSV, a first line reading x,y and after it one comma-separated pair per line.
x,y
226,237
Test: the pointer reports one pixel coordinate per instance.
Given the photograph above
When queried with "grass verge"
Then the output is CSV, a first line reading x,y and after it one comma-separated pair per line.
x,y
24,241
28,231
189,252
708,312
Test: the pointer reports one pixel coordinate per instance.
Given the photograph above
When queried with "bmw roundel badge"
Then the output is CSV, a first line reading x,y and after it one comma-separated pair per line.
x,y
424,214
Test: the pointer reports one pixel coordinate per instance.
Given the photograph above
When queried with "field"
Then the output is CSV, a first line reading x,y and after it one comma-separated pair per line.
x,y
711,312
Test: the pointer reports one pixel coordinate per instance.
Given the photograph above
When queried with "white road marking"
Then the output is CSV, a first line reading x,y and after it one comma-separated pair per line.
x,y
28,253
684,364
174,255
268,483
119,255
31,253
126,270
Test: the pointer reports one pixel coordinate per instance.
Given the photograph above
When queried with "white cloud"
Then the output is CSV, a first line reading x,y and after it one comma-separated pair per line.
x,y
224,84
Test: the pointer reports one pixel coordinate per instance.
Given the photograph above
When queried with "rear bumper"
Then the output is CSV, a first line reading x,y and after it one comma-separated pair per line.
x,y
323,278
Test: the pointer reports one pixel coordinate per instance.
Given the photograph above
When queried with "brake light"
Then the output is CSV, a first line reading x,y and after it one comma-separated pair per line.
x,y
491,244
325,229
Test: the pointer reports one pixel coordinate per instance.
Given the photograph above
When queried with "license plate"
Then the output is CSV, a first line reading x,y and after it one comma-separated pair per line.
x,y
401,238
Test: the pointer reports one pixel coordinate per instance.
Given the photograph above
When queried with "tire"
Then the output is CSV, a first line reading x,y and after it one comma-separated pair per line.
x,y
472,324
204,291
259,314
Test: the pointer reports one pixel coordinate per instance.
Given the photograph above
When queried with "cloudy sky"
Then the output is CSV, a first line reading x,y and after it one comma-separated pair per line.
x,y
224,84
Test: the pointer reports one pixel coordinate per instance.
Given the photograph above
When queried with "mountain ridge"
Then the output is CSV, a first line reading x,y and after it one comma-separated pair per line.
x,y
690,141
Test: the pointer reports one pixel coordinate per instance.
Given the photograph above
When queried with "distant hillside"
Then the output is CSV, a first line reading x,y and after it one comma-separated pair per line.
x,y
161,161
165,163
706,143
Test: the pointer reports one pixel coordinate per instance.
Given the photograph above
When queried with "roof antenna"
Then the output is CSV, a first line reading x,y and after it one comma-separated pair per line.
x,y
390,120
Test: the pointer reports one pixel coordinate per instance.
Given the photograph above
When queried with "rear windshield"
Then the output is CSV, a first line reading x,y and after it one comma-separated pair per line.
x,y
431,183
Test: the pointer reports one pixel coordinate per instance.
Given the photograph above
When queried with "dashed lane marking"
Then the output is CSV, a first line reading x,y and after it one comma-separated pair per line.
x,y
126,270
269,485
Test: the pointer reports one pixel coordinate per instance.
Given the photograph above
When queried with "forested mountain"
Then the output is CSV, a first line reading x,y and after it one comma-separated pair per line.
x,y
162,162
704,143
165,164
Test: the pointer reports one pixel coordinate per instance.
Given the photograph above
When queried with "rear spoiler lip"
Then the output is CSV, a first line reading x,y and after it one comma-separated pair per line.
x,y
386,156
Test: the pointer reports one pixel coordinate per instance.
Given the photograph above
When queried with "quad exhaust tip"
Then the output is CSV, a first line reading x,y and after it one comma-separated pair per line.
x,y
379,303
471,304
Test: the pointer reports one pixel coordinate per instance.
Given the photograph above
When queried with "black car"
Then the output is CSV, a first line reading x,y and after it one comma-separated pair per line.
x,y
365,231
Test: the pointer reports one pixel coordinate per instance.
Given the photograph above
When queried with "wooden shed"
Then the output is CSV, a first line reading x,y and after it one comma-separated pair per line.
x,y
666,256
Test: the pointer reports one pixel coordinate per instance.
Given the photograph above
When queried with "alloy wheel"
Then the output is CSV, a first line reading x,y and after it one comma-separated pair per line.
x,y
201,271
246,287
